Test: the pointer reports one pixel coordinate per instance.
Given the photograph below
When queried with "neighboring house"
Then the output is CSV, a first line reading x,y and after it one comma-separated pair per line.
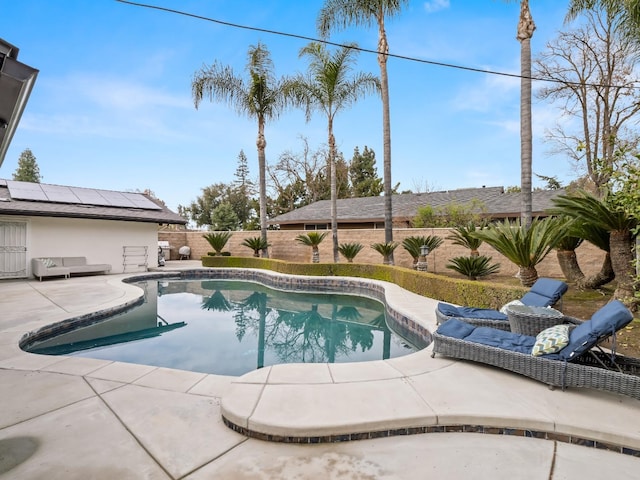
x,y
368,212
40,220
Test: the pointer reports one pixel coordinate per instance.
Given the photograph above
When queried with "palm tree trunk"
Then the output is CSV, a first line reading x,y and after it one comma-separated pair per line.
x,y
525,32
334,193
528,276
569,265
604,276
261,143
383,50
622,261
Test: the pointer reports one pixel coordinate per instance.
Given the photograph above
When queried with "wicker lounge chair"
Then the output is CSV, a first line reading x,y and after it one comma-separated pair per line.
x,y
582,363
545,292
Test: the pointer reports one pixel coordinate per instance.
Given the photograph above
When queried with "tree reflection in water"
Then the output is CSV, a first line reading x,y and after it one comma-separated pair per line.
x,y
301,333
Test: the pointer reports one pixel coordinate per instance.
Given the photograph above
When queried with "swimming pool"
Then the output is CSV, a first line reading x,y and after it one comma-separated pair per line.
x,y
230,327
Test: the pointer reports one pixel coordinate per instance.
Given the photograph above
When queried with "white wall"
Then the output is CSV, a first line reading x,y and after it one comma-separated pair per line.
x,y
101,241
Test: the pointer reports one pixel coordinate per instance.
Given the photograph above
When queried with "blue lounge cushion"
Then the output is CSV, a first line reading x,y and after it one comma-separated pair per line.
x,y
455,328
493,337
470,312
606,321
544,292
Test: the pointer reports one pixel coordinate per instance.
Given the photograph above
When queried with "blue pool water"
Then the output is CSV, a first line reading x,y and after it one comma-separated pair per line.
x,y
233,327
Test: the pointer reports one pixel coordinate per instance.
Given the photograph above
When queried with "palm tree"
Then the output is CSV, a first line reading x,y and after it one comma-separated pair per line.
x,y
526,28
343,13
385,249
329,88
629,12
256,244
473,267
312,239
605,214
414,243
526,246
463,235
259,97
218,240
350,250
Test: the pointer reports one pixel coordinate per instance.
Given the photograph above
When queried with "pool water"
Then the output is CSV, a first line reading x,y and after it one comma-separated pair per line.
x,y
233,327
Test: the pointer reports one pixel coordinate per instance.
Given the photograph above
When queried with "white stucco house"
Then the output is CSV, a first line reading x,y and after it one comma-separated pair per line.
x,y
41,220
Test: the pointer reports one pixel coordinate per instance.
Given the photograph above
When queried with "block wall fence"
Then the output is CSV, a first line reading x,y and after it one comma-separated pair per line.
x,y
285,247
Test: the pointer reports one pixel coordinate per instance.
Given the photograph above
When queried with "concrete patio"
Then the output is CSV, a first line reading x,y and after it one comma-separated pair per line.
x,y
81,418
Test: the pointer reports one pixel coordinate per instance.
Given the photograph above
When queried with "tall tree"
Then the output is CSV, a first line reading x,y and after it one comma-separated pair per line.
x,y
343,13
629,11
299,178
595,68
329,87
365,181
259,97
526,27
28,170
241,195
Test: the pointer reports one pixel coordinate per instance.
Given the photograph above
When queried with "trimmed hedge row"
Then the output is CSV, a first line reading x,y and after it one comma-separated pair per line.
x,y
475,293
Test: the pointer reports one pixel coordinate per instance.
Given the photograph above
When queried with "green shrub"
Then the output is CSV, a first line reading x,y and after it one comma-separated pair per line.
x,y
473,267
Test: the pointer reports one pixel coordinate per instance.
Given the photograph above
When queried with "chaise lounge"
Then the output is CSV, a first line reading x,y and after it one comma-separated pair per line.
x,y
579,363
545,292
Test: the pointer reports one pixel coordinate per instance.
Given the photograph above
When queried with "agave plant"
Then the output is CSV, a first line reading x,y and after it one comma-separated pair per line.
x,y
350,250
463,235
218,240
256,244
473,267
414,243
526,246
312,239
386,250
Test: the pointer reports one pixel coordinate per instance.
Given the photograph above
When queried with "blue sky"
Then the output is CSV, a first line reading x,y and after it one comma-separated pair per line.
x,y
112,106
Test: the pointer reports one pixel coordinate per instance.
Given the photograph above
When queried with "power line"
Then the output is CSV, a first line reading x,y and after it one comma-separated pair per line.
x,y
366,50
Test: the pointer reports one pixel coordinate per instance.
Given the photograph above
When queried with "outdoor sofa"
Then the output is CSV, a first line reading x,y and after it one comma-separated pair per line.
x,y
581,363
545,292
65,266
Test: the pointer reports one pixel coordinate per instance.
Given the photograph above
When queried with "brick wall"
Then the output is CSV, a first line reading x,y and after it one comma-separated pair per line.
x,y
285,247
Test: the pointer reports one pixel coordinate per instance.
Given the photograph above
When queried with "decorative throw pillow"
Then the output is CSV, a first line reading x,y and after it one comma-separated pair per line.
x,y
47,262
506,306
551,340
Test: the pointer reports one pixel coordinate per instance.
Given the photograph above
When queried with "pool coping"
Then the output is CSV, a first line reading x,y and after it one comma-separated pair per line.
x,y
276,403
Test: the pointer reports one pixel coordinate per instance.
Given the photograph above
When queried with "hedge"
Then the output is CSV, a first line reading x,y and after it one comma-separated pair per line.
x,y
476,293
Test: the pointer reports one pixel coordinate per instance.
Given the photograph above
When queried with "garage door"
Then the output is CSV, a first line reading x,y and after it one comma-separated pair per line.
x,y
13,249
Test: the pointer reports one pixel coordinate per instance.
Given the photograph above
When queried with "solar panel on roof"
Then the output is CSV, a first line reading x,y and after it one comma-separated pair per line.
x,y
141,201
116,199
88,196
25,190
58,193
78,195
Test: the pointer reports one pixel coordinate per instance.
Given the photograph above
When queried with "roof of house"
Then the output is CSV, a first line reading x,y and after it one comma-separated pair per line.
x,y
495,202
45,200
